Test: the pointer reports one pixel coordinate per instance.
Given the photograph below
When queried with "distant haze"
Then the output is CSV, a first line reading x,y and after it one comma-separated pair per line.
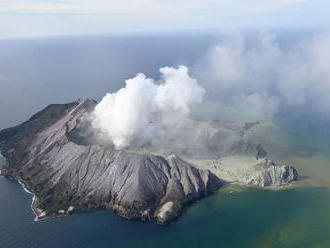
x,y
37,72
257,74
262,75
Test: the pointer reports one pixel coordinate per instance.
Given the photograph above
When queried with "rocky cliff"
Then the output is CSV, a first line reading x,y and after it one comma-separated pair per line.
x,y
68,174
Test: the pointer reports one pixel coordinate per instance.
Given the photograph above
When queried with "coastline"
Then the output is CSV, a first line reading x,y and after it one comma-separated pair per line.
x,y
41,214
34,210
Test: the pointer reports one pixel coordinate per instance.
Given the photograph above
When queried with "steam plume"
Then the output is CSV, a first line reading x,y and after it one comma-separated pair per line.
x,y
145,110
259,76
262,76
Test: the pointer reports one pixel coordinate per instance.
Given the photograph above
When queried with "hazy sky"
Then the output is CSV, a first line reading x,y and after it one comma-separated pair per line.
x,y
32,18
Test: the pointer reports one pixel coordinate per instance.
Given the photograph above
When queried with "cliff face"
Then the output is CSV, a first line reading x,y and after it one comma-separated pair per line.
x,y
65,174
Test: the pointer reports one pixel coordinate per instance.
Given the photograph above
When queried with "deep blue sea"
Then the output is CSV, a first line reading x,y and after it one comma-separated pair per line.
x,y
297,217
37,72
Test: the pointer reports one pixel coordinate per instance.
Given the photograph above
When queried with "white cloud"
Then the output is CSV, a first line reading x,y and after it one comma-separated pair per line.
x,y
26,18
143,110
99,7
260,77
270,5
103,7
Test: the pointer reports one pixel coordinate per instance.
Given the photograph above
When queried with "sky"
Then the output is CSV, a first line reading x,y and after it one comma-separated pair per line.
x,y
37,18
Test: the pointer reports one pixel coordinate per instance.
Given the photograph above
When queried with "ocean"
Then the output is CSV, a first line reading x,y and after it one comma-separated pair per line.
x,y
37,72
232,217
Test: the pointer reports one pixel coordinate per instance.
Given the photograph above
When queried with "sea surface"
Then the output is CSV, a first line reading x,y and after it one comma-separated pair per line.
x,y
233,217
34,73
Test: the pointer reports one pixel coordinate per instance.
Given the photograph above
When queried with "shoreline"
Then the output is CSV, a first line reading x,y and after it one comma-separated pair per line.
x,y
36,218
32,205
41,214
39,217
34,198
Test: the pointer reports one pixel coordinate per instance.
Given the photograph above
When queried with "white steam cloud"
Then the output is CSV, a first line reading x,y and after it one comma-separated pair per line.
x,y
256,75
260,75
145,110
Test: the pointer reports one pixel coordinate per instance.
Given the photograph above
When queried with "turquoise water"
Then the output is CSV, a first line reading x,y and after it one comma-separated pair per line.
x,y
233,217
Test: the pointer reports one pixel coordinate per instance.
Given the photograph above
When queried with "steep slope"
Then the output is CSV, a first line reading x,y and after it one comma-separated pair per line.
x,y
68,172
62,173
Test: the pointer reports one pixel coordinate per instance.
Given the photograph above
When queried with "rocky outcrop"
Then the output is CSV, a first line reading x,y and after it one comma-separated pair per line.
x,y
272,176
68,173
255,172
267,173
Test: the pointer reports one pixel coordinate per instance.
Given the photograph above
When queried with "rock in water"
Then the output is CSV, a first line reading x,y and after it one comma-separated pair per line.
x,y
67,175
67,172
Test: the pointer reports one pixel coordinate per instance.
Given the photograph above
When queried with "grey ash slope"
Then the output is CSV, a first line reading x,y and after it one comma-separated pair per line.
x,y
64,173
